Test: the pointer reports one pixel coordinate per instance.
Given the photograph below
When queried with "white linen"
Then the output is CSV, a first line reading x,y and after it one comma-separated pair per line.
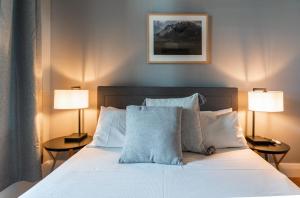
x,y
95,172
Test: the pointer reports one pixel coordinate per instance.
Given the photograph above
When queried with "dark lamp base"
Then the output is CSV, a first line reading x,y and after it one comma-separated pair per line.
x,y
258,140
75,137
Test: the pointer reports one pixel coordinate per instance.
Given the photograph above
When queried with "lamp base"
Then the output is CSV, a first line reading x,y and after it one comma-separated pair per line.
x,y
75,137
258,140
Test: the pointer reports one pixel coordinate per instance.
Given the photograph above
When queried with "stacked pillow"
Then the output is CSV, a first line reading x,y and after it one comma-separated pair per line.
x,y
159,131
191,136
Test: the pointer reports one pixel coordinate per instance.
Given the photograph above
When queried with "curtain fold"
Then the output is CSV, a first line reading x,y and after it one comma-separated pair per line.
x,y
20,75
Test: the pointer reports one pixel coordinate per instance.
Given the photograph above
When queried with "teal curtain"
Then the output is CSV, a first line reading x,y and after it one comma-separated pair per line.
x,y
19,66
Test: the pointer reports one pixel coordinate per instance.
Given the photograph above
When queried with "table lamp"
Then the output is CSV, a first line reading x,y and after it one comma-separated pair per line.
x,y
74,98
261,100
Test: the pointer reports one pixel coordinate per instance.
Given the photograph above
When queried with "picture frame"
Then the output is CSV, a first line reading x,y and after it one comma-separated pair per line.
x,y
178,38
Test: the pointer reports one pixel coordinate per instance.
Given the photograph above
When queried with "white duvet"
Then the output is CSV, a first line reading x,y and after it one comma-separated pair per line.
x,y
95,172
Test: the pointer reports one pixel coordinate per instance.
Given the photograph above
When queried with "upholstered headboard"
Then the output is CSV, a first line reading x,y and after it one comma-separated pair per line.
x,y
119,97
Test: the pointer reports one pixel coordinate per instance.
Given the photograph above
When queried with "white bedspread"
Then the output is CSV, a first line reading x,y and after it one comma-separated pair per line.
x,y
95,172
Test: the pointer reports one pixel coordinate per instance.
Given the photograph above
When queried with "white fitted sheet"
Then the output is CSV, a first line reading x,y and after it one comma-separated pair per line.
x,y
95,172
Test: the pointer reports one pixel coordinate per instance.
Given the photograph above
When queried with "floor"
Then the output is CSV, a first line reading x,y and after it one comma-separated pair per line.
x,y
18,188
296,180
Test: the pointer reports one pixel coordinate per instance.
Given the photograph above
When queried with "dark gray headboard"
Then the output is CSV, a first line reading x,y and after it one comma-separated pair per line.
x,y
119,97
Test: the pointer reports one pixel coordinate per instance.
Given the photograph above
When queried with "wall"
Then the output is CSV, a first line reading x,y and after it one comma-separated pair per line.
x,y
255,43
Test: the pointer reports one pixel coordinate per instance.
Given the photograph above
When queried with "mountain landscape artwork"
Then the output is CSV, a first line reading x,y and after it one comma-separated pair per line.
x,y
177,37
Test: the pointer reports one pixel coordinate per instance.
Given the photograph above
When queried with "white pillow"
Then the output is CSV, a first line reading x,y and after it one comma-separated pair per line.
x,y
225,132
207,117
222,111
111,128
191,135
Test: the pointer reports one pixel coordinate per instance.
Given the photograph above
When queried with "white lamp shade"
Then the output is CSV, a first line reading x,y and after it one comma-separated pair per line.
x,y
71,99
270,101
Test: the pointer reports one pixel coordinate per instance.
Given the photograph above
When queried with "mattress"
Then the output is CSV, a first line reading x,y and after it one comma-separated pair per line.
x,y
95,172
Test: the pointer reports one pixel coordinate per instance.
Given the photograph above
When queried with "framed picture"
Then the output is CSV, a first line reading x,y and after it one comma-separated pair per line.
x,y
178,38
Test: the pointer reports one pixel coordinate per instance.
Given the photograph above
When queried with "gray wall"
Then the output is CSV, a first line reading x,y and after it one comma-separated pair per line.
x,y
255,43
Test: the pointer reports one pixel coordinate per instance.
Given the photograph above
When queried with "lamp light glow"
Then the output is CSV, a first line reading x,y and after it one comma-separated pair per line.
x,y
71,99
269,101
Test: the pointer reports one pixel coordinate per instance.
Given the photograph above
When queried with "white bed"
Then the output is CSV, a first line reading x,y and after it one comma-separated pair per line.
x,y
95,172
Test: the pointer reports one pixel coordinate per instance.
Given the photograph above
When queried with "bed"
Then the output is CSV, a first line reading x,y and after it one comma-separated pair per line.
x,y
95,172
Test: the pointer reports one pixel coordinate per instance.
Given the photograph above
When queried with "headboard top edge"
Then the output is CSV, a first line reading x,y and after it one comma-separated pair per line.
x,y
121,96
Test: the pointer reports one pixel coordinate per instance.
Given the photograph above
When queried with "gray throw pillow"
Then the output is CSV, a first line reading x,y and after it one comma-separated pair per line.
x,y
190,102
152,135
191,134
192,138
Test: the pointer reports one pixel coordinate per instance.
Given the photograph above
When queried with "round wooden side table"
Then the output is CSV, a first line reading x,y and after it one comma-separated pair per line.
x,y
272,149
59,145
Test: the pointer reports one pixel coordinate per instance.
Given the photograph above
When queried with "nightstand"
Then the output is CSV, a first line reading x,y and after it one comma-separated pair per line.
x,y
272,149
59,145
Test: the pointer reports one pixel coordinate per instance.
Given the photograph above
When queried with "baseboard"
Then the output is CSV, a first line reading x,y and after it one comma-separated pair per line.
x,y
290,169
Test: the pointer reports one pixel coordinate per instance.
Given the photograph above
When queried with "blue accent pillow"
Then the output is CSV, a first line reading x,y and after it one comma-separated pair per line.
x,y
153,135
